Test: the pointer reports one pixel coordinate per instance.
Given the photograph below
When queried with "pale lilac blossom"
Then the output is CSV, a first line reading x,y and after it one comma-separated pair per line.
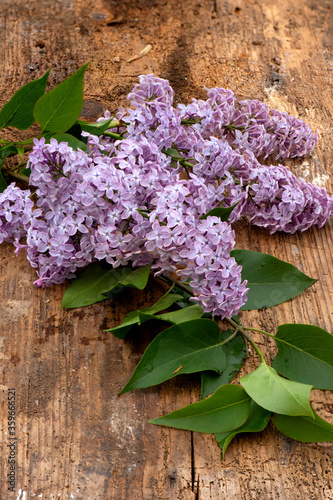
x,y
142,196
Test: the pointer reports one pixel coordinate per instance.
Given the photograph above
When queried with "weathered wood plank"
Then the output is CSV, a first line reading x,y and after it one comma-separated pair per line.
x,y
76,437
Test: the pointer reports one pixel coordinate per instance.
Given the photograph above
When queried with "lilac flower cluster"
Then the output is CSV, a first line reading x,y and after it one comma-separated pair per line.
x,y
250,125
279,201
142,197
15,213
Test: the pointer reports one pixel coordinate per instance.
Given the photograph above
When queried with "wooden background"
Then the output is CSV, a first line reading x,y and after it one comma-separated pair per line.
x,y
76,438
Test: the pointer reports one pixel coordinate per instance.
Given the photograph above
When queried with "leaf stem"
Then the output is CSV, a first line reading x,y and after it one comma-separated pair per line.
x,y
20,165
259,331
180,284
112,135
247,336
185,163
25,142
115,123
231,337
19,177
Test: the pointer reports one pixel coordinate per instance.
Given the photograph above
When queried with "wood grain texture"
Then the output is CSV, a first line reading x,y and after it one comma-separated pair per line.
x,y
76,437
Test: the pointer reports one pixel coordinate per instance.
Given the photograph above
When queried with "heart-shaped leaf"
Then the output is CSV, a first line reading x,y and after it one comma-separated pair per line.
x,y
277,394
226,410
256,422
304,429
18,112
189,347
305,355
271,281
235,351
59,109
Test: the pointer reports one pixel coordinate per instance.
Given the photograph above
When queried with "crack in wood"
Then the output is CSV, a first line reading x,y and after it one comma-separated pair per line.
x,y
192,463
194,482
197,489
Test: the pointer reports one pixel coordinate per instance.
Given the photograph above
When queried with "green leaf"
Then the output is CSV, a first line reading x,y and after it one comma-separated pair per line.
x,y
130,320
222,212
7,151
174,153
59,109
133,318
235,351
185,300
20,150
174,317
189,347
304,429
4,152
25,171
270,281
97,128
163,303
137,278
91,284
305,355
94,282
3,183
143,315
226,410
256,422
18,112
277,394
76,131
183,315
72,141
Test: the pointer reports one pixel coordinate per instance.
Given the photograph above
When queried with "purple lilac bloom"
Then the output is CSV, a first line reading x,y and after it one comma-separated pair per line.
x,y
141,199
16,210
215,277
264,131
279,201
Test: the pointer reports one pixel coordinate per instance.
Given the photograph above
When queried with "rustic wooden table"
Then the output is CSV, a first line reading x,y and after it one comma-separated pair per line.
x,y
77,439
